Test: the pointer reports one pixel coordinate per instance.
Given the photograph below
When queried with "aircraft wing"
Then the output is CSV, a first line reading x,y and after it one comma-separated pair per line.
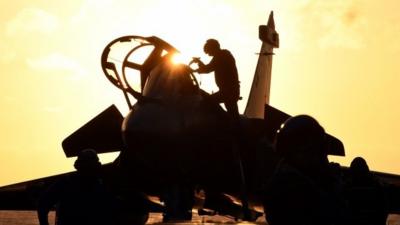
x,y
388,178
24,196
102,133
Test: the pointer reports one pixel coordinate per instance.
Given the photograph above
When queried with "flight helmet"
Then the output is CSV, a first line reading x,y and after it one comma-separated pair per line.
x,y
359,166
300,136
87,160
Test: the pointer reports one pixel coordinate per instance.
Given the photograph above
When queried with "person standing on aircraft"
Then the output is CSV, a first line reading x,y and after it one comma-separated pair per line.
x,y
226,76
80,198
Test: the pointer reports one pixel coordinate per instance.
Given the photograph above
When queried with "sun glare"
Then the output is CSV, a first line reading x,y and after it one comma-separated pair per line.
x,y
179,58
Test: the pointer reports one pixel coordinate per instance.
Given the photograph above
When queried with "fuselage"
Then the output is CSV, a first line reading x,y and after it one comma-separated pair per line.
x,y
174,131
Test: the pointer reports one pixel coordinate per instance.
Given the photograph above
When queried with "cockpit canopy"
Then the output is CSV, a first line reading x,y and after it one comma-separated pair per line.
x,y
170,81
143,67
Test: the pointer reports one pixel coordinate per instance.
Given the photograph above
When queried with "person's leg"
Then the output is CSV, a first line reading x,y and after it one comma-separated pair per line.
x,y
232,109
230,98
216,97
234,116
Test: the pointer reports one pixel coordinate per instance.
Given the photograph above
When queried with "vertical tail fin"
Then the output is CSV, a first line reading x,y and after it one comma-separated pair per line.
x,y
260,89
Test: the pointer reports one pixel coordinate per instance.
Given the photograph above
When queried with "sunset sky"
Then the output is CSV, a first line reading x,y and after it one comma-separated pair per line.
x,y
339,61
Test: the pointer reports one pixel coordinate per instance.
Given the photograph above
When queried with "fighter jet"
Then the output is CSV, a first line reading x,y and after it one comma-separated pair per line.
x,y
173,137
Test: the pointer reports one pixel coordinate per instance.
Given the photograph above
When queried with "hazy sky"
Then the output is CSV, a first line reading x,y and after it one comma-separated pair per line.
x,y
339,61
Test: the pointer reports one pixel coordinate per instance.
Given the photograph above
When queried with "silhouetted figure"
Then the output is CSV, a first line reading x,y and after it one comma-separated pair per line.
x,y
365,195
305,190
226,76
80,198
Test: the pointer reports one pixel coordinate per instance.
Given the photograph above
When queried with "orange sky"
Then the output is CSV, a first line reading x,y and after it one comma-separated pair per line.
x,y
338,61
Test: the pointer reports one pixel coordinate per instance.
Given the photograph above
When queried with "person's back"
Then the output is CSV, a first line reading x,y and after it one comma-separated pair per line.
x,y
83,201
294,198
79,198
226,74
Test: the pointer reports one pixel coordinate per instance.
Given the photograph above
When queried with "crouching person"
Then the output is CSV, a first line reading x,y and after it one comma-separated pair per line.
x,y
79,198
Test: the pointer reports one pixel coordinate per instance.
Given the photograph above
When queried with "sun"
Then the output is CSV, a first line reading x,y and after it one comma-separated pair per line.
x,y
180,58
177,59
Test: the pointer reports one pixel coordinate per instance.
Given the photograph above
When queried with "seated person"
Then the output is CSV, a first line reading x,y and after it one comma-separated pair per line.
x,y
304,190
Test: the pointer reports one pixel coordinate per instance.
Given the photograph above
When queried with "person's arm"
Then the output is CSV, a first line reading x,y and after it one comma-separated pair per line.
x,y
203,68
